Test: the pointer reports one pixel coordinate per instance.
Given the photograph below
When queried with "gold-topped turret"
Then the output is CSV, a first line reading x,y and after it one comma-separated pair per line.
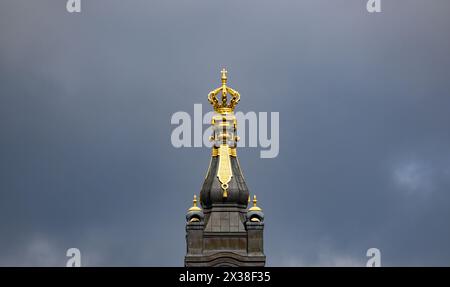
x,y
194,205
255,207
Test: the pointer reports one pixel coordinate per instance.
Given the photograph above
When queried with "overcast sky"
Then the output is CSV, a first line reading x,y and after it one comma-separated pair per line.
x,y
86,101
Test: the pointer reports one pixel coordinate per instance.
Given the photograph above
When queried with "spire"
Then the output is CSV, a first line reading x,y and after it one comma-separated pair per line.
x,y
224,230
224,183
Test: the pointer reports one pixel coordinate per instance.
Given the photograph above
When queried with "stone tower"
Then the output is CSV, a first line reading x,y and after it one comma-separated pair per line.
x,y
224,231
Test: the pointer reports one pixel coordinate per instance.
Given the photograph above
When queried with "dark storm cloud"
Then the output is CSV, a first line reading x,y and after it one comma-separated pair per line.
x,y
86,101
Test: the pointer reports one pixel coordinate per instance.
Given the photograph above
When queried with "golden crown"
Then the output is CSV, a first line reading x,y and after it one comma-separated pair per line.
x,y
223,106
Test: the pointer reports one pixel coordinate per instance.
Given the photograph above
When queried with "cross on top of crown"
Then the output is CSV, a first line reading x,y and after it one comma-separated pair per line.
x,y
224,76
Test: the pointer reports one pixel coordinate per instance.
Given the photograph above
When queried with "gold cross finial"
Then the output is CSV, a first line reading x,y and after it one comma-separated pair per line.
x,y
224,76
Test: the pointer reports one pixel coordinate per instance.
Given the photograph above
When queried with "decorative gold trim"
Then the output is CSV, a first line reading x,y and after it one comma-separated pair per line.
x,y
255,207
215,151
233,152
224,110
224,172
194,205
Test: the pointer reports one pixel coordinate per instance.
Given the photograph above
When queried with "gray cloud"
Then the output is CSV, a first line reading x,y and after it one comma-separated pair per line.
x,y
86,101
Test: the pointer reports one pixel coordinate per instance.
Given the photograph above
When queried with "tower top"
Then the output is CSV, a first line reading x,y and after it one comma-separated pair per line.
x,y
224,106
224,230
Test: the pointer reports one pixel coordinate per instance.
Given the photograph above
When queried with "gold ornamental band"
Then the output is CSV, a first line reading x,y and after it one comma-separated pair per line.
x,y
215,151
